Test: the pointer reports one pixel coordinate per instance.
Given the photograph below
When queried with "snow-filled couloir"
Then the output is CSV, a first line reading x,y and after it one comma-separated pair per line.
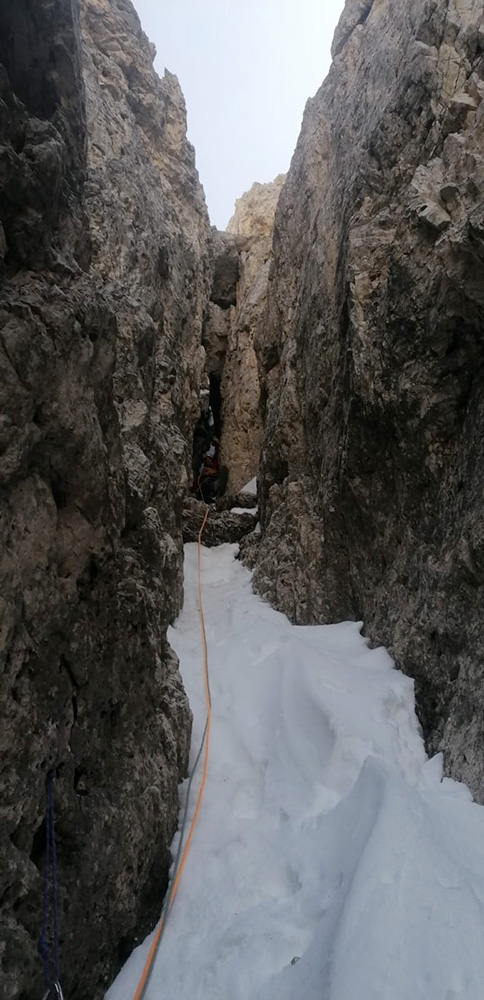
x,y
331,861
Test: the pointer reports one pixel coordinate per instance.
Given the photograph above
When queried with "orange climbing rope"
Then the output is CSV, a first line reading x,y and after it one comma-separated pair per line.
x,y
180,861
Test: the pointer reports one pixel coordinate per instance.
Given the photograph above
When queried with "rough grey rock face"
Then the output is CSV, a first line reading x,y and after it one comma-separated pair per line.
x,y
43,147
226,269
371,358
241,263
249,548
252,225
223,297
248,501
222,525
104,282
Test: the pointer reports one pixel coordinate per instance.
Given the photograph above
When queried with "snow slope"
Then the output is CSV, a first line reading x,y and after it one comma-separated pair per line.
x,y
330,860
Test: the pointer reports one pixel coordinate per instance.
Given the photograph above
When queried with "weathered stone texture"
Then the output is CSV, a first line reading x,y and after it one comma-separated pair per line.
x,y
372,353
251,228
43,140
252,225
222,526
104,282
226,264
241,262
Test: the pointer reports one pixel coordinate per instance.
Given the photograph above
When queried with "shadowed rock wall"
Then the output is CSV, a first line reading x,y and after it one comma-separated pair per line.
x,y
104,282
371,358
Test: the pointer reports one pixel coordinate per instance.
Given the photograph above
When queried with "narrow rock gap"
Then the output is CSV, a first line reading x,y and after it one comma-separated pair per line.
x,y
216,403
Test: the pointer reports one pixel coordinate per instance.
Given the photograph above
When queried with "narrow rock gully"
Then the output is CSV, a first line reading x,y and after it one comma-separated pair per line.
x,y
331,859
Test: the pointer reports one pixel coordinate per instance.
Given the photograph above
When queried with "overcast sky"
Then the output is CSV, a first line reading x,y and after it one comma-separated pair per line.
x,y
246,68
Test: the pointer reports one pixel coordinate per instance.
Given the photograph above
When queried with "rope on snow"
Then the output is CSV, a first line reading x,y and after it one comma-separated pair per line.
x,y
183,848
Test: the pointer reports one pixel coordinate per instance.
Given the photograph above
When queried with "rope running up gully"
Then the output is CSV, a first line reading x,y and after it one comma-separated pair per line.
x,y
204,747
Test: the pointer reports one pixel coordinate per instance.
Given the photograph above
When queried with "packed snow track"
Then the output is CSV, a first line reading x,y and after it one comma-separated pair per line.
x,y
331,861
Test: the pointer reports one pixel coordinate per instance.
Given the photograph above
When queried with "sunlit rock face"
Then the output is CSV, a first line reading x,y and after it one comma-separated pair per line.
x,y
105,277
371,358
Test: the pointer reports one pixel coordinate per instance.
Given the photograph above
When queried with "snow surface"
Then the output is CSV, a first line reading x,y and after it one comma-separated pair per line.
x,y
250,487
245,510
330,860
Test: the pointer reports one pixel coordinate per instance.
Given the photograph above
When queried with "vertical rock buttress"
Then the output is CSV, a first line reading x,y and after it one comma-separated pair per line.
x,y
105,275
252,226
241,265
371,358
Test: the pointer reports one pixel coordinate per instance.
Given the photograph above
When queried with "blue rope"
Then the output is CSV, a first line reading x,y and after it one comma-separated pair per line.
x,y
50,894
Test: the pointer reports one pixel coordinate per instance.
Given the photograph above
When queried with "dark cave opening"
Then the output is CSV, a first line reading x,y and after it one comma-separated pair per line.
x,y
209,424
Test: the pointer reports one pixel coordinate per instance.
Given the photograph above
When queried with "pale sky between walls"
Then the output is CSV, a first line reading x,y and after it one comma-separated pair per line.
x,y
247,68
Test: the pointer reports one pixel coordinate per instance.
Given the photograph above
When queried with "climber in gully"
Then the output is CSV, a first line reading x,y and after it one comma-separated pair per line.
x,y
209,477
211,481
204,432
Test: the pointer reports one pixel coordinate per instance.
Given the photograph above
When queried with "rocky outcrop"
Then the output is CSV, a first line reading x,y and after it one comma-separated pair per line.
x,y
249,548
241,261
252,225
372,354
223,524
245,500
104,283
223,297
253,218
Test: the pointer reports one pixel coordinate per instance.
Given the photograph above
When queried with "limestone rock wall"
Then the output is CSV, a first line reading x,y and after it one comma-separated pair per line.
x,y
223,297
372,357
241,261
104,282
252,226
151,241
